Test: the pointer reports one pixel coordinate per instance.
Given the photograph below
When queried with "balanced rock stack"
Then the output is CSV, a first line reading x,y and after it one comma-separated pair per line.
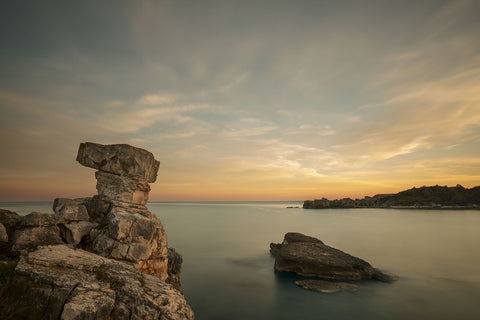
x,y
104,257
128,231
124,171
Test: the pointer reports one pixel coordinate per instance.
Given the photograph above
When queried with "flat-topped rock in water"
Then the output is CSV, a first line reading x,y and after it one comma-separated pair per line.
x,y
119,159
326,286
308,256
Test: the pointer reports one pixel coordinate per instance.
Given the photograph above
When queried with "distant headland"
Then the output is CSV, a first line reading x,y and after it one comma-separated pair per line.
x,y
433,197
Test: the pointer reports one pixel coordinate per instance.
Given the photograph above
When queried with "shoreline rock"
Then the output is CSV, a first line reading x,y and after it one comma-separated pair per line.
x,y
310,257
57,282
104,257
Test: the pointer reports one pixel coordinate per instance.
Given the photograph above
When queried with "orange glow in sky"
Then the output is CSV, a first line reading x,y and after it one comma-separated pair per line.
x,y
242,100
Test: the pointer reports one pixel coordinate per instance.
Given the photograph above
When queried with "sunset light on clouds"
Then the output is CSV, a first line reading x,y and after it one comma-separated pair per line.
x,y
242,100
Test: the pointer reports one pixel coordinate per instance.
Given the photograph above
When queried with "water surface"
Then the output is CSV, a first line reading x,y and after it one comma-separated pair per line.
x,y
228,271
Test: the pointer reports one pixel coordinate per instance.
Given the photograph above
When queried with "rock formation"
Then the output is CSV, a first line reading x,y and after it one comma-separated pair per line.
x,y
310,257
104,257
7,221
3,235
58,282
34,230
123,171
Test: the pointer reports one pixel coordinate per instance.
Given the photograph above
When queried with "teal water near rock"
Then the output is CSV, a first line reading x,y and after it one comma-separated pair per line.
x,y
228,272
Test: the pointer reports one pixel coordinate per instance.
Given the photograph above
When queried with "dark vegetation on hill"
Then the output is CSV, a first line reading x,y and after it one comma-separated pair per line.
x,y
424,197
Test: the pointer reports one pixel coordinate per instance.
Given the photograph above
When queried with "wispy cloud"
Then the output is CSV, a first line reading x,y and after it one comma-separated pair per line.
x,y
136,118
248,132
156,99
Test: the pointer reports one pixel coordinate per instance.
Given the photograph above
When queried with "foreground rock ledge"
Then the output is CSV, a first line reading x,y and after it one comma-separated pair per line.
x,y
57,282
310,257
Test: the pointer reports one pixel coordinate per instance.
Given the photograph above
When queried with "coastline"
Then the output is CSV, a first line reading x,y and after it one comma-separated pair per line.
x,y
409,207
433,197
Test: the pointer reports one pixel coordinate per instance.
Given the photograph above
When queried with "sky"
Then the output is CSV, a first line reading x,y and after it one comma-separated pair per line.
x,y
242,100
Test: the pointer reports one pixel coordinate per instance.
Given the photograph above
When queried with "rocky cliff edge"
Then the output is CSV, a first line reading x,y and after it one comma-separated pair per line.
x,y
104,257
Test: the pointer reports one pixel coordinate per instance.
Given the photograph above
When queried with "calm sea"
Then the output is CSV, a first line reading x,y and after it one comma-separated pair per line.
x,y
228,272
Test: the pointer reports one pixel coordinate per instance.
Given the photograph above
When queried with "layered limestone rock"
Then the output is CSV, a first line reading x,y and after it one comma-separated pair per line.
x,y
8,220
123,189
125,229
310,257
119,159
8,217
124,171
34,230
3,235
73,220
104,257
87,286
136,237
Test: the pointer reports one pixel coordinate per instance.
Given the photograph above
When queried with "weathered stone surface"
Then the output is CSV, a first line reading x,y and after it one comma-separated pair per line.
x,y
122,189
67,210
119,159
3,234
33,230
8,217
31,238
175,261
75,232
36,219
310,257
8,220
292,237
98,208
73,219
134,237
326,286
86,286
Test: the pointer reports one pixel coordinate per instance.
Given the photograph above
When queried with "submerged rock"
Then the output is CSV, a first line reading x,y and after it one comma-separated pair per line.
x,y
326,286
310,257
